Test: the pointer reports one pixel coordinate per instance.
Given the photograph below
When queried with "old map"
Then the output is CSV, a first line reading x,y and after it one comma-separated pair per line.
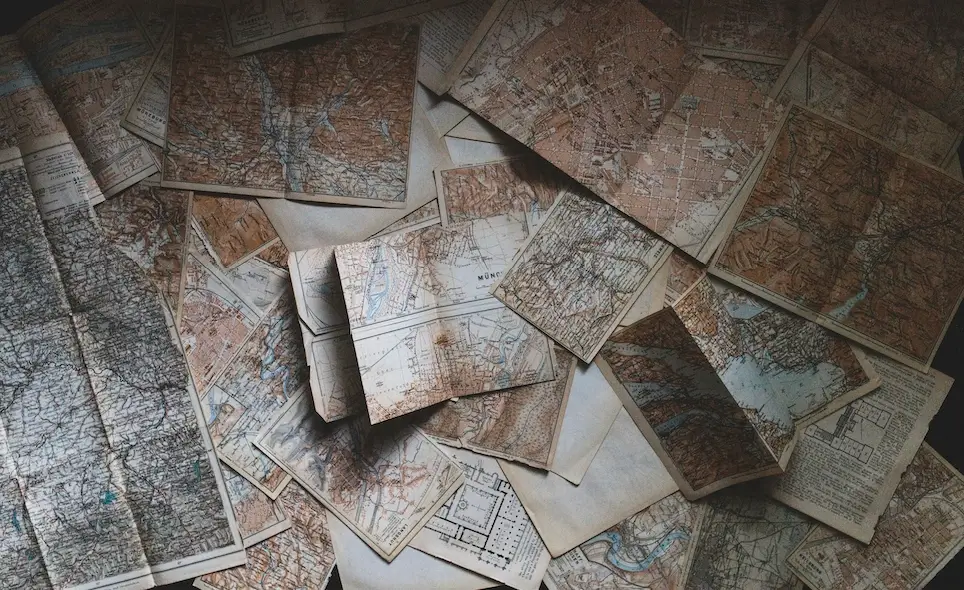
x,y
650,550
526,184
317,287
266,125
233,229
547,282
921,530
336,386
789,372
266,371
300,557
908,47
743,544
832,88
424,325
107,472
259,517
484,528
520,424
384,482
682,407
91,56
885,258
669,151
150,225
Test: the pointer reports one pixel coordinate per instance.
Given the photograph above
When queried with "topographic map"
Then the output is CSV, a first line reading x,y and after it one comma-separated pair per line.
x,y
526,184
91,56
785,371
299,557
150,226
679,402
484,528
884,262
908,47
754,30
215,320
424,325
425,216
107,471
266,125
650,550
384,482
832,88
547,282
259,517
743,544
921,530
235,229
670,150
683,274
267,370
520,424
317,287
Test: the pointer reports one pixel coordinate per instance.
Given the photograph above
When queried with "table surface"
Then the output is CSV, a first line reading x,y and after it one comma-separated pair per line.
x,y
945,431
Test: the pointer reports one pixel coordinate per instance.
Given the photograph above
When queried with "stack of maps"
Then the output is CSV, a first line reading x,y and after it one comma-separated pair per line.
x,y
457,294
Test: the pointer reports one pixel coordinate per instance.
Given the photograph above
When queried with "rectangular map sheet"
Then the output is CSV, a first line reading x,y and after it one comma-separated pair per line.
x,y
756,30
267,125
298,558
670,151
255,26
215,320
424,325
259,517
147,114
384,482
720,344
233,229
336,386
526,184
150,225
547,281
107,468
520,424
91,56
625,477
650,550
903,45
846,467
484,528
919,533
830,87
361,568
884,256
743,543
267,370
29,120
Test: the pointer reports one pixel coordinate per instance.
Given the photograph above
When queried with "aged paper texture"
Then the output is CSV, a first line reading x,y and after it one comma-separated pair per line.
x,y
336,386
919,533
846,466
300,557
424,325
266,124
581,237
670,151
648,551
259,517
743,543
484,528
884,262
625,477
383,482
832,88
107,468
234,229
266,371
520,424
147,115
91,56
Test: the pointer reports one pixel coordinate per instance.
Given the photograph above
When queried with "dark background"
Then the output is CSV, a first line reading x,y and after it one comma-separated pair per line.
x,y
944,435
